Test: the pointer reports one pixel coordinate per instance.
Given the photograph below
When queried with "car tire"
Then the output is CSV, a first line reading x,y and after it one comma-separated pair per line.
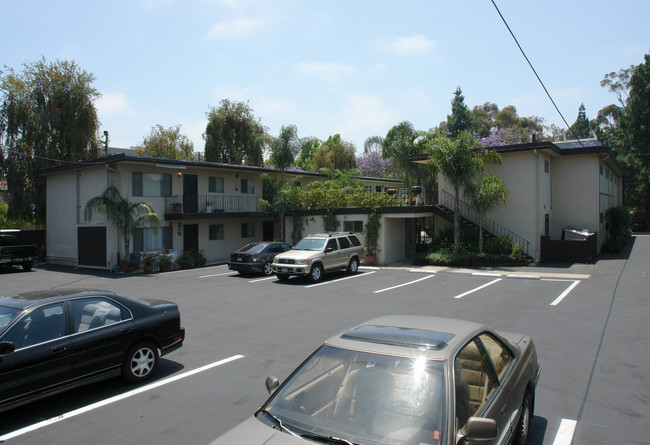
x,y
353,265
283,276
140,362
267,269
525,419
316,273
27,266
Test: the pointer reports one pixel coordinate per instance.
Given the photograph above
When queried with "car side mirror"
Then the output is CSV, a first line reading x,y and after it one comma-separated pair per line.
x,y
272,383
328,250
480,428
6,347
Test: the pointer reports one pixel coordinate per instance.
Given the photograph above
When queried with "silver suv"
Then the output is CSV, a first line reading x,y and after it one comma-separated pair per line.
x,y
319,253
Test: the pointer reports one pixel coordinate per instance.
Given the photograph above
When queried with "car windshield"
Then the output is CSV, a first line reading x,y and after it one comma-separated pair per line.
x,y
363,398
253,248
7,316
310,244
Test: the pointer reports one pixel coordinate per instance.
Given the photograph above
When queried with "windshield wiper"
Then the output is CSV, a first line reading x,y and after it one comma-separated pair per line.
x,y
279,423
327,439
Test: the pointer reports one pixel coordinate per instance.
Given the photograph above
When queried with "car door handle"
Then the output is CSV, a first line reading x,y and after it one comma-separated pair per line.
x,y
124,330
58,349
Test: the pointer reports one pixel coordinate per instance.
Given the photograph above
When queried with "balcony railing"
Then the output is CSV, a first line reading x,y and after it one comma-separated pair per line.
x,y
211,203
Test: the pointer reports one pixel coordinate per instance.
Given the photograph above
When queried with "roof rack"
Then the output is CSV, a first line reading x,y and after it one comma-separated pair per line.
x,y
329,234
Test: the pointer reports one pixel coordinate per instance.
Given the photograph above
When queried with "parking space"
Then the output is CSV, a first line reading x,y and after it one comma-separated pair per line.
x,y
271,326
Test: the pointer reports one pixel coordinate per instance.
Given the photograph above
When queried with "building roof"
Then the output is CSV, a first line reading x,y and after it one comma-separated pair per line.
x,y
181,165
560,148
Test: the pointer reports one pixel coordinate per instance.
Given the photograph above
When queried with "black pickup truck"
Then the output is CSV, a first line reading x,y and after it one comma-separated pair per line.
x,y
12,253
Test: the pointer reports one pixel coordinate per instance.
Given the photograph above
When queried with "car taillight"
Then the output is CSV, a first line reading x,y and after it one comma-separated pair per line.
x,y
232,257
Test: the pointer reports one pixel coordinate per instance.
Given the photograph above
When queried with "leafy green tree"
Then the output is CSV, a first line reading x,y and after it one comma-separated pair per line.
x,y
624,128
124,214
459,161
335,154
47,115
485,195
399,144
581,128
233,135
167,143
308,147
636,123
284,148
489,120
460,118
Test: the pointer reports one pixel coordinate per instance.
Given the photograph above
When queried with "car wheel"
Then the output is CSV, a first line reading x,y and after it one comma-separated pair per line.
x,y
283,277
353,266
316,273
27,266
140,362
268,269
525,420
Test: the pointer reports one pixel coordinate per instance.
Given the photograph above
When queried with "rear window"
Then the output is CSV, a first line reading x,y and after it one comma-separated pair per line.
x,y
8,240
354,240
253,248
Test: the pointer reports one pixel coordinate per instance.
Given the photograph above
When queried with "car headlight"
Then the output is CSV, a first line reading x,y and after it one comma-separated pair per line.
x,y
302,262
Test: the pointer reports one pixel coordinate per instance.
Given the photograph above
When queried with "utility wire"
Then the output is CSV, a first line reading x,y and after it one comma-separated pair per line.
x,y
536,75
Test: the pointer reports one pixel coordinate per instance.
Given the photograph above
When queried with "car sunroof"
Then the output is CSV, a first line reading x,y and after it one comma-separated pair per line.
x,y
396,336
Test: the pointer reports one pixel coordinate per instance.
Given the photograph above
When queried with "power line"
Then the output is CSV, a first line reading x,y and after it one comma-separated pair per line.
x,y
534,71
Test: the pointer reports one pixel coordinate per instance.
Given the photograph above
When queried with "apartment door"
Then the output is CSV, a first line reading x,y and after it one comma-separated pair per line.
x,y
190,194
191,237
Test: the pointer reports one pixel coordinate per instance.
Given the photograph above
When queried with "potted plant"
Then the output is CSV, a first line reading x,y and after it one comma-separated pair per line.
x,y
199,258
185,261
147,263
165,263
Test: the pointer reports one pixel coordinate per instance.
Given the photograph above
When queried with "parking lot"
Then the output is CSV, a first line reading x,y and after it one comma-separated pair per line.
x,y
589,323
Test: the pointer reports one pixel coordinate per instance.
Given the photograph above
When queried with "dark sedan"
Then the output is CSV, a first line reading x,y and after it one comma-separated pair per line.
x,y
256,257
51,341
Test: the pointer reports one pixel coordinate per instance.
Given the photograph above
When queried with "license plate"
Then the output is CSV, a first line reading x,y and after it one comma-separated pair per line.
x,y
285,270
239,259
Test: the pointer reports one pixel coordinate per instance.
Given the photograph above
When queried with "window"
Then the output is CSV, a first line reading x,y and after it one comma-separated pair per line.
x,y
41,325
475,381
216,232
353,226
152,238
248,230
547,166
152,184
499,354
248,186
215,184
93,313
601,169
378,188
331,244
344,242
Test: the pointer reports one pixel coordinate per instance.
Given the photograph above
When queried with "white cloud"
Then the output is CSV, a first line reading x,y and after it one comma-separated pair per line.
x,y
265,106
364,115
327,71
234,92
411,45
114,104
240,27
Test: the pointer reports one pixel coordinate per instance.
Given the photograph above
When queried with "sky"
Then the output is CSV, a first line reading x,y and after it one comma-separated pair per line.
x,y
354,67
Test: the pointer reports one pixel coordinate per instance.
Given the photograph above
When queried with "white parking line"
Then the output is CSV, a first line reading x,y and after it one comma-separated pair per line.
x,y
565,293
565,432
263,279
340,279
478,288
216,275
404,284
114,399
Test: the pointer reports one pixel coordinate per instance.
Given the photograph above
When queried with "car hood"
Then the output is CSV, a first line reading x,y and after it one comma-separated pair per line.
x,y
254,432
296,254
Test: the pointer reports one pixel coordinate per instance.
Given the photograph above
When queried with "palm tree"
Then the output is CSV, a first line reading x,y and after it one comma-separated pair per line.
x,y
484,196
284,150
459,160
124,214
